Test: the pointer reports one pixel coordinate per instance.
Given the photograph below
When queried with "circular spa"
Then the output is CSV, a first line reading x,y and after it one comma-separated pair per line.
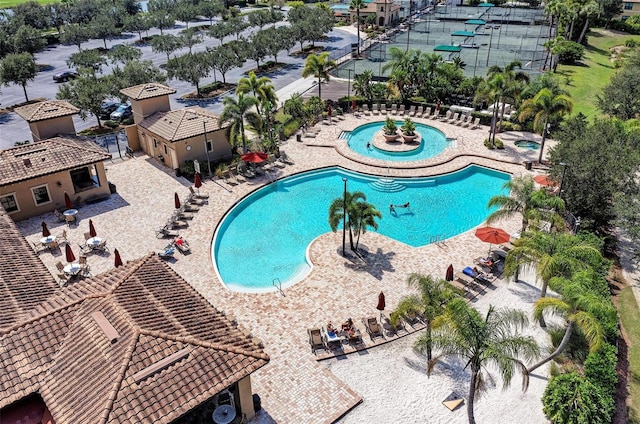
x,y
527,144
266,235
368,140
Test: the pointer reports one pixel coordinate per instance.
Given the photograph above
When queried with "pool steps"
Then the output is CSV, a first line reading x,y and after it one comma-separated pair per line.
x,y
387,185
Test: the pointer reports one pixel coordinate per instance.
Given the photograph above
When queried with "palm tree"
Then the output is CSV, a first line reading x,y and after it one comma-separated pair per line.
x,y
337,208
513,84
261,88
523,198
318,66
492,89
236,111
580,306
544,107
357,5
365,215
493,340
430,302
552,255
362,84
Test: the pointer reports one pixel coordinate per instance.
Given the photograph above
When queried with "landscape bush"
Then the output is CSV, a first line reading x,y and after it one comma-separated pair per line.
x,y
600,368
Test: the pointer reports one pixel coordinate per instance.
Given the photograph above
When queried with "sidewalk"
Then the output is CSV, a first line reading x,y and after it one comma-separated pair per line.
x,y
300,86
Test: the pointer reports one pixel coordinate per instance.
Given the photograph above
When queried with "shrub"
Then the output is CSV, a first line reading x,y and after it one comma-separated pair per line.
x,y
390,126
631,43
569,398
187,169
290,127
488,144
127,121
600,368
499,144
111,124
569,52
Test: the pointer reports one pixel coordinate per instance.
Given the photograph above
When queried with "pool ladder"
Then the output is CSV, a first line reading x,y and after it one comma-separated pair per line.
x,y
438,239
277,284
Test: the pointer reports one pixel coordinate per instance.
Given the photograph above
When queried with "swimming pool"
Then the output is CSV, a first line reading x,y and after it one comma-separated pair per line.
x,y
266,235
527,144
432,144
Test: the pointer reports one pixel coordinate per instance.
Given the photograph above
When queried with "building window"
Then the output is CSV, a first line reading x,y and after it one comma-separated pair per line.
x,y
628,6
166,152
209,146
155,143
84,178
9,203
382,8
624,18
41,195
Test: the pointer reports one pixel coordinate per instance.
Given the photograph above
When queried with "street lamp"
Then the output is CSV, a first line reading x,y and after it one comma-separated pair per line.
x,y
564,169
206,147
344,218
490,39
349,88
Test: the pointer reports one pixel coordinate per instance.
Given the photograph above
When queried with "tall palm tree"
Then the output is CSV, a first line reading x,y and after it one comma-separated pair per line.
x,y
481,341
318,65
514,82
365,215
580,306
235,112
336,212
432,297
260,87
357,5
491,89
362,84
544,107
523,198
552,255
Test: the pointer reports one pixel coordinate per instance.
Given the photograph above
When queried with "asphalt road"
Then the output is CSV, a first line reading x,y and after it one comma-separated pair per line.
x,y
13,128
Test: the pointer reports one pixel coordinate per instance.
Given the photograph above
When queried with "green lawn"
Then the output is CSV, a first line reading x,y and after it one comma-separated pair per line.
x,y
628,310
4,4
587,79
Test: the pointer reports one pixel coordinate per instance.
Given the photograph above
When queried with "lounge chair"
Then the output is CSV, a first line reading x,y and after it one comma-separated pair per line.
x,y
435,115
426,113
374,329
376,108
453,119
315,340
452,401
166,231
383,109
188,207
365,108
401,110
198,195
168,252
284,158
177,223
182,245
446,116
476,124
394,109
412,111
419,111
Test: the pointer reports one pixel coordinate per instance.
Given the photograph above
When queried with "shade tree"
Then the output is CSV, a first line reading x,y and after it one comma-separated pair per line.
x,y
87,92
18,69
191,68
28,39
165,43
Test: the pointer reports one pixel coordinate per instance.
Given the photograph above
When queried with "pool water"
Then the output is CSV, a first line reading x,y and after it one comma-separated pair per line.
x,y
433,143
266,235
527,144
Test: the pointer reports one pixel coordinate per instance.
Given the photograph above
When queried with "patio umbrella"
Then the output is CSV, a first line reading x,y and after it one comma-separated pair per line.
x,y
69,253
381,303
329,111
254,157
449,275
176,200
544,180
117,261
492,236
197,182
45,230
92,229
353,105
67,201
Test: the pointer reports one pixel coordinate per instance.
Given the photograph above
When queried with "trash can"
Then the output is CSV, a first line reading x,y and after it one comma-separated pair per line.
x,y
112,187
257,403
299,137
528,165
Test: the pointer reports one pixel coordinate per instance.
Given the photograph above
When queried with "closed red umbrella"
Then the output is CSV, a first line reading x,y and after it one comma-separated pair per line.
x,y
254,157
92,229
67,201
197,181
353,105
381,302
69,253
449,274
117,261
329,111
176,200
45,230
492,236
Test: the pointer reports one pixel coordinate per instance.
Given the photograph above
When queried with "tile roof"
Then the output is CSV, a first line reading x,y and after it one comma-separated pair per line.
x,y
47,157
46,110
107,367
147,91
24,280
181,124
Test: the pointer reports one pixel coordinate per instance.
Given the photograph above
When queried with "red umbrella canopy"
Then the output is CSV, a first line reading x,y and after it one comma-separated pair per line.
x,y
254,157
45,230
69,253
492,235
117,261
67,201
198,182
92,229
353,105
329,111
544,180
449,274
176,200
381,302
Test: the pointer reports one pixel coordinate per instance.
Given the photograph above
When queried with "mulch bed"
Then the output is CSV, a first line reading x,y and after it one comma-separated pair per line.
x,y
223,88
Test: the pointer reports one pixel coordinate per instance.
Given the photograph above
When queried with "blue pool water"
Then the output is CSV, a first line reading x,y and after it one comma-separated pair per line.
x,y
265,236
527,144
433,143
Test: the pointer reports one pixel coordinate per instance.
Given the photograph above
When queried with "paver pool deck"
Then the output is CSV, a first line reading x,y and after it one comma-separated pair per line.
x,y
294,387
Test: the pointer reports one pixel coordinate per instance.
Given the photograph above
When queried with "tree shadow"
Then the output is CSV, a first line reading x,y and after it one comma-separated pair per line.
x,y
375,264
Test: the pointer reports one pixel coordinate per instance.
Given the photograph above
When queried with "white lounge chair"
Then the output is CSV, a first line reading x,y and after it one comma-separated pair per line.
x,y
412,111
446,116
427,112
394,109
476,124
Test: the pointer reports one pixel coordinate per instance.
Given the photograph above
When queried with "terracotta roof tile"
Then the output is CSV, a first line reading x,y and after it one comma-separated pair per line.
x,y
181,124
47,157
46,110
147,91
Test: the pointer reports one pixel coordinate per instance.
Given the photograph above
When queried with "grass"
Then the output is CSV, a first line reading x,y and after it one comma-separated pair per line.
x,y
5,4
587,79
628,310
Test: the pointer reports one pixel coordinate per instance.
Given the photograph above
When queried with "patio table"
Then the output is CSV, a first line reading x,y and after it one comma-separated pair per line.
x,y
72,269
46,241
224,414
93,242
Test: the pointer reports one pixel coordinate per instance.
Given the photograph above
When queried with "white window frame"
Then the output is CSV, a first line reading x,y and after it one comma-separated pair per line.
x,y
35,201
15,199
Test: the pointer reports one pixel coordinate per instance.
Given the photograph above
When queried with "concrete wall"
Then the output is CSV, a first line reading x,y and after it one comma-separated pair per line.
x,y
41,130
143,108
246,397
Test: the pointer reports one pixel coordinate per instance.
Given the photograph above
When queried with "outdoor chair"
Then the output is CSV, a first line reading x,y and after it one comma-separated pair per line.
x,y
62,280
285,158
435,115
60,267
419,111
383,108
374,329
102,246
168,252
476,124
394,109
70,219
376,108
59,216
182,245
87,236
53,246
166,232
176,223
452,118
198,195
446,116
315,340
427,112
365,108
38,247
63,236
463,120
193,200
401,110
412,111
85,271
187,207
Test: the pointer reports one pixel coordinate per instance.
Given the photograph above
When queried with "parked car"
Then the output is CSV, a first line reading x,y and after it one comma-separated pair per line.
x,y
122,112
107,108
65,76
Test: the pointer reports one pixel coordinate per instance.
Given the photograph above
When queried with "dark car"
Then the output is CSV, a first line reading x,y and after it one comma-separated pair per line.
x,y
107,108
65,76
122,112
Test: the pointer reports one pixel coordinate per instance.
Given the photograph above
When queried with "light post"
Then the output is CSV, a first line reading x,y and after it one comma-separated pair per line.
x,y
206,147
489,49
344,218
349,88
564,169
